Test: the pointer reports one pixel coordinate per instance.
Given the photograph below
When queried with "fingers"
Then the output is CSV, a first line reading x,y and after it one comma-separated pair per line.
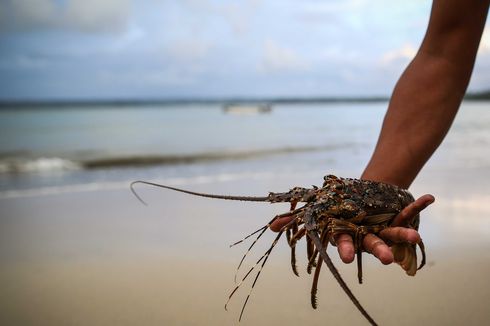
x,y
378,248
371,243
400,234
277,225
375,245
409,212
345,247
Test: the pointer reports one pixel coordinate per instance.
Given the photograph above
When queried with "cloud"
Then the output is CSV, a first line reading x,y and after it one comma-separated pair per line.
x,y
97,15
399,56
336,6
136,80
239,15
188,50
90,16
480,80
25,14
485,42
23,62
337,12
278,58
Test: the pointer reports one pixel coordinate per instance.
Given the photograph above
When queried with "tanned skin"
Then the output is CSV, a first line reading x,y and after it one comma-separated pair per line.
x,y
422,108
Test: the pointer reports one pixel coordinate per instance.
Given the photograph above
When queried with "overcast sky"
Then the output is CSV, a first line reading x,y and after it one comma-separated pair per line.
x,y
66,49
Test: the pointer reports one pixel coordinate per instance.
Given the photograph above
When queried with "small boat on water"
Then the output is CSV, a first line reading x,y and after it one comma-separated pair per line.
x,y
247,109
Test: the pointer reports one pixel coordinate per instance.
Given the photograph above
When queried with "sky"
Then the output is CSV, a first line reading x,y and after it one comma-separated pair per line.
x,y
157,49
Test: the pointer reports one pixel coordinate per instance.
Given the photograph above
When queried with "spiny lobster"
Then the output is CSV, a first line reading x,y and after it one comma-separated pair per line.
x,y
341,206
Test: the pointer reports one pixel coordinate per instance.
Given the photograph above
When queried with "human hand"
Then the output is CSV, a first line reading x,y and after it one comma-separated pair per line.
x,y
378,245
397,233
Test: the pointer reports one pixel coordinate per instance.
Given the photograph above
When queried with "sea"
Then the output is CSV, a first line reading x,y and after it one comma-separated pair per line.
x,y
79,148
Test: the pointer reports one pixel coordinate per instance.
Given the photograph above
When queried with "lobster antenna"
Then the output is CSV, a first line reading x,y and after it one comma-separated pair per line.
x,y
242,198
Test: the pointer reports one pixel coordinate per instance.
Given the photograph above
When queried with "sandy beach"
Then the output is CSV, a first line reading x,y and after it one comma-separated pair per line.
x,y
101,258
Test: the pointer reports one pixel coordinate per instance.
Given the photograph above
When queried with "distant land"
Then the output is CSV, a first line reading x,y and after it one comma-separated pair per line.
x,y
485,95
478,96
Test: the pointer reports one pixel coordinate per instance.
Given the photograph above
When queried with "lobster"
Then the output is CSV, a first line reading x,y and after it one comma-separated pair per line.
x,y
341,206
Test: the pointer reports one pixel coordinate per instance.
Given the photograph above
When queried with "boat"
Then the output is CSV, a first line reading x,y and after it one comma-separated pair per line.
x,y
247,109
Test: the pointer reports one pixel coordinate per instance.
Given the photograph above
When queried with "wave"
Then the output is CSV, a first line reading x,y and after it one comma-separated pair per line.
x,y
50,164
42,164
199,157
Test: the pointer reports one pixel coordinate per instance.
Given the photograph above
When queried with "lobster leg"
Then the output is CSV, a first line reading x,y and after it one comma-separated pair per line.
x,y
265,257
262,259
422,250
326,258
361,232
337,226
314,285
248,250
311,262
301,233
309,247
358,241
266,254
262,231
293,229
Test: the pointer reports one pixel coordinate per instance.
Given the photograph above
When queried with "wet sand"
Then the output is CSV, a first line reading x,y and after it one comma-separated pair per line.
x,y
101,258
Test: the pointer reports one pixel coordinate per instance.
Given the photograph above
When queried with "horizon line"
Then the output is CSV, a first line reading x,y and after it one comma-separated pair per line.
x,y
484,95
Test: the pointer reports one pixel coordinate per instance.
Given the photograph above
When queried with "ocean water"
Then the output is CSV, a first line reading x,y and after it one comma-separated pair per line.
x,y
45,151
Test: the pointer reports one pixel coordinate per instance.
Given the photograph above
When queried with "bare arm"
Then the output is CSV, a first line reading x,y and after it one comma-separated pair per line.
x,y
429,92
421,111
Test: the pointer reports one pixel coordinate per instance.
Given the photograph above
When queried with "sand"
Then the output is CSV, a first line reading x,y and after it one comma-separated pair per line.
x,y
180,292
101,258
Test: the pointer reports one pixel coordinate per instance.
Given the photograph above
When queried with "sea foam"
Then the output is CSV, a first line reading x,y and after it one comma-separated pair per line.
x,y
42,164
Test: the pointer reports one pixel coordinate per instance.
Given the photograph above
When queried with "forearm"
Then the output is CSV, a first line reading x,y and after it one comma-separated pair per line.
x,y
420,113
429,93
